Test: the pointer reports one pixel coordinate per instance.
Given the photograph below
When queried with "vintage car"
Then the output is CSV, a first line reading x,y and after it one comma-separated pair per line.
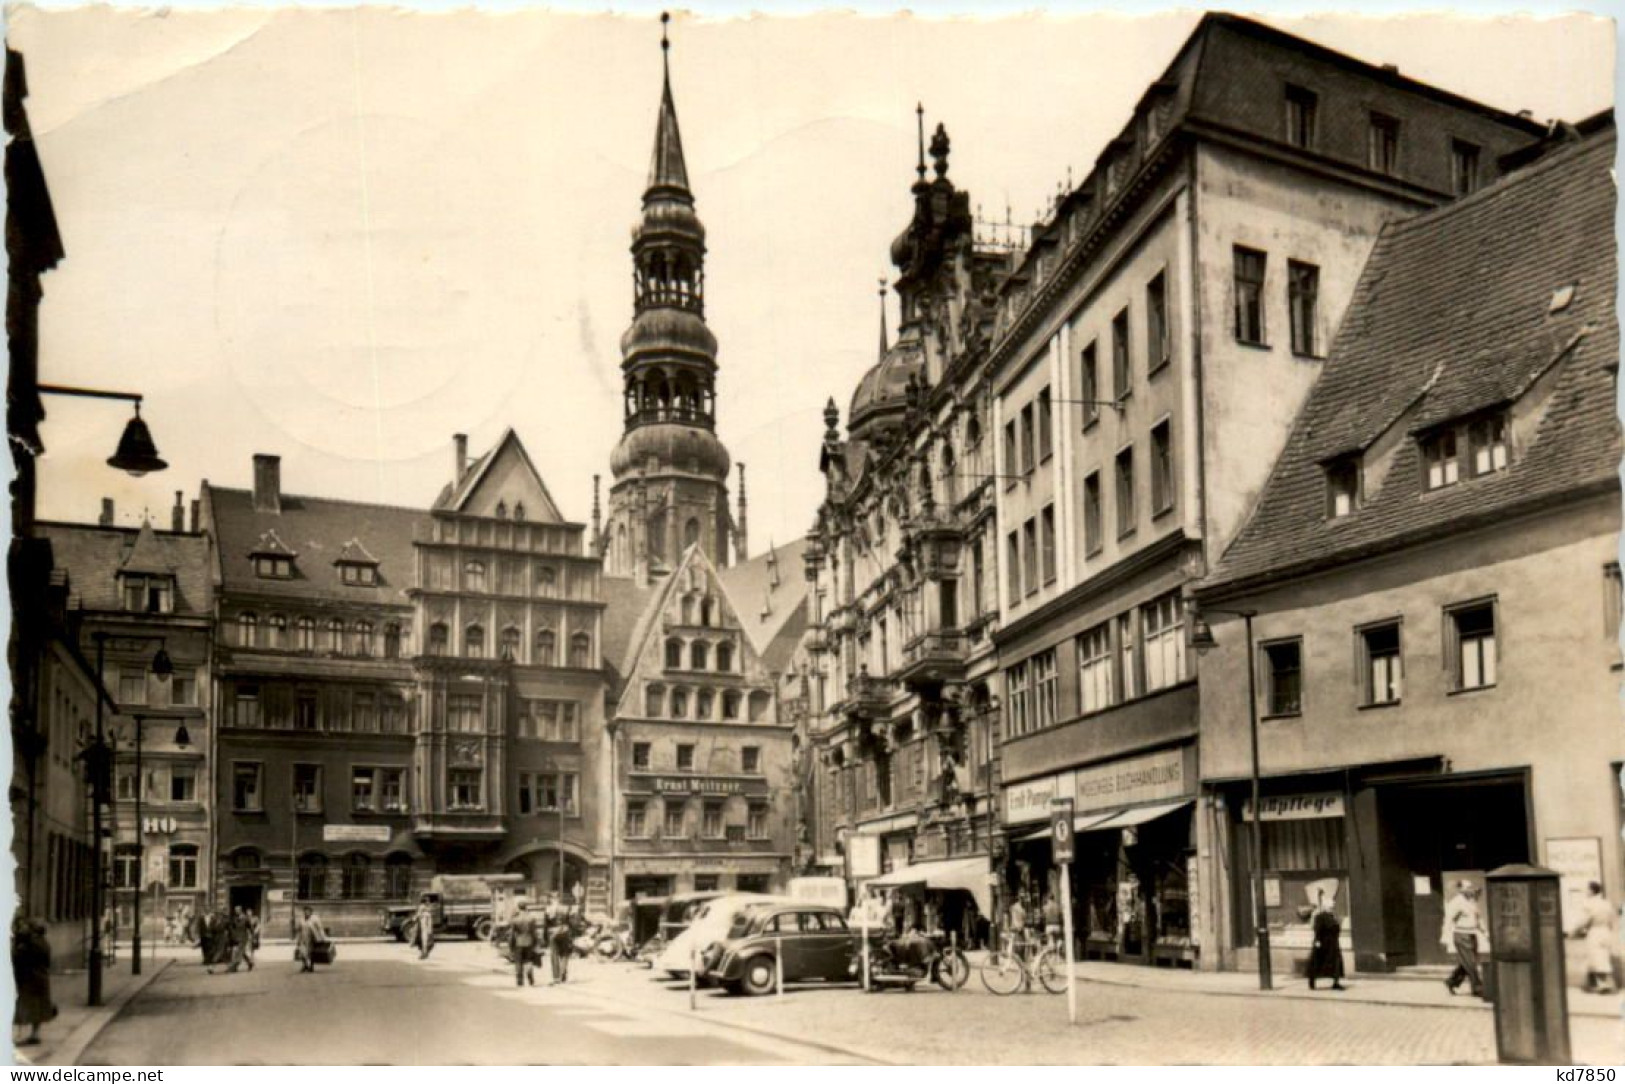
x,y
710,924
812,939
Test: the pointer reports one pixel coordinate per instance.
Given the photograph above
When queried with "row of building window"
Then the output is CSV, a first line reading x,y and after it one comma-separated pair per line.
x,y
1030,553
546,580
675,821
1302,115
1441,461
1470,657
333,636
372,789
511,645
181,865
1131,655
750,758
699,655
549,792
137,686
682,702
1303,301
356,880
181,779
275,706
147,593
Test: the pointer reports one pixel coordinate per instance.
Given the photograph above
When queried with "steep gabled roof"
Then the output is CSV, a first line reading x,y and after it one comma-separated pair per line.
x,y
318,529
1459,310
459,497
771,592
93,557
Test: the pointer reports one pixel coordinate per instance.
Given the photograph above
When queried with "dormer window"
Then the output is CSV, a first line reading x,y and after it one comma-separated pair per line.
x,y
147,594
273,560
1487,438
519,511
1441,465
273,568
356,566
502,509
1342,488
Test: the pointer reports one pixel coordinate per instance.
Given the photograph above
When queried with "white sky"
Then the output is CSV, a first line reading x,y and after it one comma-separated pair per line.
x,y
342,237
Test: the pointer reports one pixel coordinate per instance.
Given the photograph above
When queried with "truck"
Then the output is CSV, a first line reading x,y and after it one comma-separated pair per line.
x,y
462,904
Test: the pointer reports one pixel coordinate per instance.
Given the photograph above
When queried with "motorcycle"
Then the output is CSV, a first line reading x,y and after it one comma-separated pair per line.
x,y
903,962
615,943
650,950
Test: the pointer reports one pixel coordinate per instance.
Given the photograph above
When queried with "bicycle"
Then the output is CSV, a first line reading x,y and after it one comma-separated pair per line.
x,y
1005,972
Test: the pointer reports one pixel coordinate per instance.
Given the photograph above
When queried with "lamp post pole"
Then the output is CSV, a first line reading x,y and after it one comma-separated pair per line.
x,y
140,853
100,765
1260,913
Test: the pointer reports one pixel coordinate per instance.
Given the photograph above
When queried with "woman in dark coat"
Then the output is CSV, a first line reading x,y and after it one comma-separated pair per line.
x,y
1326,957
31,970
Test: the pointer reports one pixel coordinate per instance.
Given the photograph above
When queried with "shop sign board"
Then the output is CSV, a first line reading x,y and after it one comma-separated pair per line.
x,y
1030,801
713,785
355,833
863,856
1296,807
1132,780
1060,831
1578,862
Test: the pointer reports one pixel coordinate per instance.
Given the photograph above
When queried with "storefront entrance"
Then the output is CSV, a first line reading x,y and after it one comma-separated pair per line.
x,y
250,898
1439,832
648,885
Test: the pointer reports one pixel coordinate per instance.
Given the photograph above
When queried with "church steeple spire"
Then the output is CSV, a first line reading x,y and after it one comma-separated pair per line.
x,y
667,170
668,370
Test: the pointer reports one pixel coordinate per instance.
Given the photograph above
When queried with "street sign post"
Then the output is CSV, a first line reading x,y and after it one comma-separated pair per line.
x,y
1061,839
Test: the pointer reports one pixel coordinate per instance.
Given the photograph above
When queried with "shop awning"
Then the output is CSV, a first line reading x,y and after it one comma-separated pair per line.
x,y
969,874
1082,822
1128,818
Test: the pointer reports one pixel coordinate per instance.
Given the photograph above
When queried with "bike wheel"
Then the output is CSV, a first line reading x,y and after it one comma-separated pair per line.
x,y
1002,973
1050,968
953,970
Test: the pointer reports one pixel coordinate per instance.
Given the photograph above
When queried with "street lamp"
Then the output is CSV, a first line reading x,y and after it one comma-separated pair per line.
x,y
1200,637
99,763
136,455
182,739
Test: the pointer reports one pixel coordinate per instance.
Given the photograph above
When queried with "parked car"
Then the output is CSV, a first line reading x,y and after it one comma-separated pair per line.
x,y
709,925
814,940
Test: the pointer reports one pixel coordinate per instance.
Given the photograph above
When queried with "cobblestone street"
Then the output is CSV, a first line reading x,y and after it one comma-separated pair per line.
x,y
1116,1024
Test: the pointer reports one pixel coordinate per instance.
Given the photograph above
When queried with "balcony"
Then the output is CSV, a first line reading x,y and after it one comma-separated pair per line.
x,y
932,658
931,541
866,697
474,826
817,640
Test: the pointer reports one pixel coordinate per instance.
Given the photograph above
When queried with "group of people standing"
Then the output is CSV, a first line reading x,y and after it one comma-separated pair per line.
x,y
556,926
227,939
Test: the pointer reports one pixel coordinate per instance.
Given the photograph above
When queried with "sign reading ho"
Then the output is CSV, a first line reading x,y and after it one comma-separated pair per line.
x,y
355,833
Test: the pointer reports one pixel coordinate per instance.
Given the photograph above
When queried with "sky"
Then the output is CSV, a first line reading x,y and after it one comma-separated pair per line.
x,y
343,236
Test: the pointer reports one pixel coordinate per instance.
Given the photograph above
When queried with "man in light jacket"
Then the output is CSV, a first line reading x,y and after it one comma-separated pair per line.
x,y
1465,934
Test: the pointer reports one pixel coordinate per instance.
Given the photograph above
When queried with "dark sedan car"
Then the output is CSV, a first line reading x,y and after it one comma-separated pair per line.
x,y
815,944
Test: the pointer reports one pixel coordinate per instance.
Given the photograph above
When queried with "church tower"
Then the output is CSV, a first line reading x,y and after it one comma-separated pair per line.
x,y
669,470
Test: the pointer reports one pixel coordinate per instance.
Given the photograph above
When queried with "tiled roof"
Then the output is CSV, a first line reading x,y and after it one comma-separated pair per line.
x,y
625,601
318,530
774,615
93,557
1454,314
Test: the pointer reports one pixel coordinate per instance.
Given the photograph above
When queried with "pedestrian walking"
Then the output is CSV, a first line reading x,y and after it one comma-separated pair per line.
x,y
525,942
253,918
423,930
1599,925
1464,933
558,940
31,971
238,934
1326,954
1015,924
310,940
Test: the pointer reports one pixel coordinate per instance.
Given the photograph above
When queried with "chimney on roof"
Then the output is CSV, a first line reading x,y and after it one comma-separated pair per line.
x,y
177,515
268,483
1391,69
106,518
194,516
460,442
